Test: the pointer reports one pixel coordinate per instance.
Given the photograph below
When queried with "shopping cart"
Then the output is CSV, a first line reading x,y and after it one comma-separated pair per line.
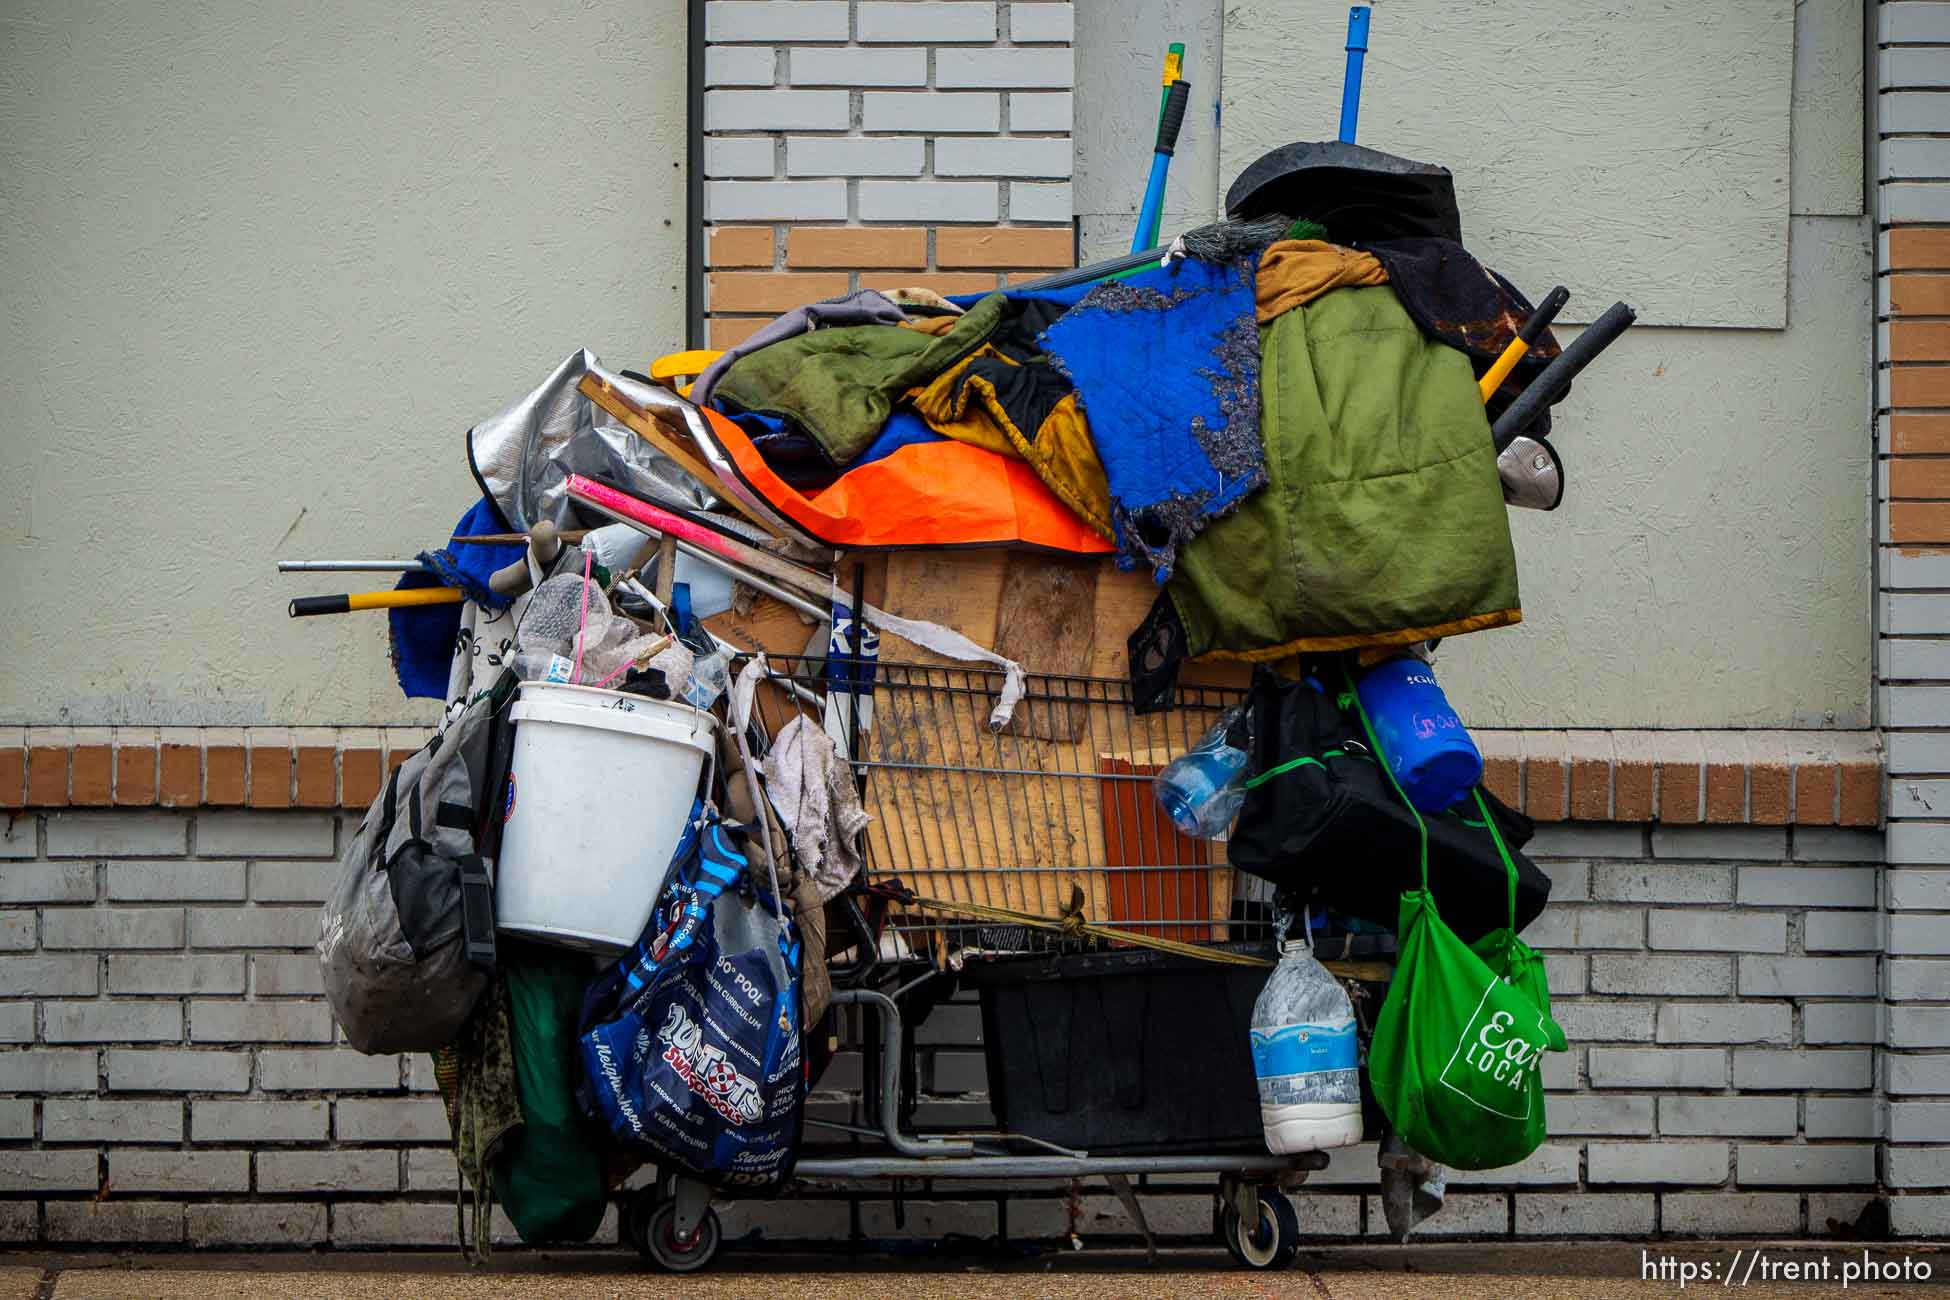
x,y
1040,843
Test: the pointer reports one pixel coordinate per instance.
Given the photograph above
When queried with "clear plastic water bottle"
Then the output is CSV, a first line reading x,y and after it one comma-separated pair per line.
x,y
1306,1057
1201,789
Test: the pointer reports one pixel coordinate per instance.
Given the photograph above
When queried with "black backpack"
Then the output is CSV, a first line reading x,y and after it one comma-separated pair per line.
x,y
1322,820
407,938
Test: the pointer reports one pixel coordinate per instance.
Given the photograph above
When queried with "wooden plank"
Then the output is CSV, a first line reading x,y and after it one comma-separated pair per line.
x,y
659,435
1046,620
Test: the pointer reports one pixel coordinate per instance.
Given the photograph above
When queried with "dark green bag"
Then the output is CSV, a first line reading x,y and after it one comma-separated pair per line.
x,y
548,1175
1460,1038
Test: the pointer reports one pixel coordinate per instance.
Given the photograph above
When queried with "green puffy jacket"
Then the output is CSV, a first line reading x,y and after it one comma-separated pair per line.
x,y
1382,520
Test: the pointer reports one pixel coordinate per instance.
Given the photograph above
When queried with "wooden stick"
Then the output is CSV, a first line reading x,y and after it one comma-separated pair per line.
x,y
659,435
572,536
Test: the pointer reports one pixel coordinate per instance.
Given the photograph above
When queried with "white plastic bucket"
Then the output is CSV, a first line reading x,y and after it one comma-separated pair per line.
x,y
599,789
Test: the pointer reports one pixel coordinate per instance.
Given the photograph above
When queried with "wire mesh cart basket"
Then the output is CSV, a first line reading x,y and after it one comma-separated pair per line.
x,y
1116,958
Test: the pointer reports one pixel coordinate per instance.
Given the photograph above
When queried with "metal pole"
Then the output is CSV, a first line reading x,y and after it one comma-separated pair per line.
x,y
1357,54
351,566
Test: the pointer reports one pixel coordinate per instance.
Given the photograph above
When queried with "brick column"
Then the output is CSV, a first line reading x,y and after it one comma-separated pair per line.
x,y
878,143
1912,114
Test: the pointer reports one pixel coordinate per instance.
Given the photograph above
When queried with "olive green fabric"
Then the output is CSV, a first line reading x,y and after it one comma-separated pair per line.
x,y
840,385
1382,519
548,1174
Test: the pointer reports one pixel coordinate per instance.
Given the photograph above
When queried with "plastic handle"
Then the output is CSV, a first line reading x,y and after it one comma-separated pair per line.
x,y
1557,376
1173,117
1546,312
1357,55
302,606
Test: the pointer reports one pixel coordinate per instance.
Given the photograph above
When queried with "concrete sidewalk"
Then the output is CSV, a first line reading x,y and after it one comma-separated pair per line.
x,y
1494,1271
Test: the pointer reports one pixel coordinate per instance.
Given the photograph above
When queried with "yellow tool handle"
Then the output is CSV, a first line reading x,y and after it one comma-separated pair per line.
x,y
1500,369
407,599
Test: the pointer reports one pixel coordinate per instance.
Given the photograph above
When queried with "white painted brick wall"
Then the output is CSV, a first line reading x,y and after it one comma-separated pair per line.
x,y
209,1079
910,112
1910,171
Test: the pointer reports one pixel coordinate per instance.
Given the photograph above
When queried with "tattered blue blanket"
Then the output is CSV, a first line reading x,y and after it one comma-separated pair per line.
x,y
1166,366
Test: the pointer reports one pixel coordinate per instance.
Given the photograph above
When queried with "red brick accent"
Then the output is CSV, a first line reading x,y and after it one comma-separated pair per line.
x,y
1817,785
949,281
1916,434
858,247
1919,522
1919,385
1634,781
13,776
91,776
223,775
1770,794
1926,479
1861,799
360,777
1919,295
1919,340
740,246
1918,249
135,772
318,776
1005,249
1546,776
1809,778
47,770
181,780
1503,777
772,292
730,331
270,771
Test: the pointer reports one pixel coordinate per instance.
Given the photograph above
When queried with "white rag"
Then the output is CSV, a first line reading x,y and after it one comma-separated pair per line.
x,y
811,788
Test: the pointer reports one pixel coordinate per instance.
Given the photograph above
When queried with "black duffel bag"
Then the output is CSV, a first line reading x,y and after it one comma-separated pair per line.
x,y
1323,821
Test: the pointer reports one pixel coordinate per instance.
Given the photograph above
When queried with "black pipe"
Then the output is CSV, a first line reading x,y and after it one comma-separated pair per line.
x,y
1549,386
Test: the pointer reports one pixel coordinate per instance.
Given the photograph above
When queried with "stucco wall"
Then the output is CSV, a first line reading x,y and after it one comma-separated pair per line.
x,y
1710,565
262,271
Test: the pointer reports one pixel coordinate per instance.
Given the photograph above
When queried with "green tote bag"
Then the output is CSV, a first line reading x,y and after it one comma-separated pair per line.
x,y
1461,1036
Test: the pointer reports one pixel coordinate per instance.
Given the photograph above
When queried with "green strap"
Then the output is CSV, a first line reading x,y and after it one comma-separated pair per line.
x,y
1303,761
1374,743
1509,867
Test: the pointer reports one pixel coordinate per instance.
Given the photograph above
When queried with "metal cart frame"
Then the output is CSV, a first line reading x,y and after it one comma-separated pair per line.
x,y
928,746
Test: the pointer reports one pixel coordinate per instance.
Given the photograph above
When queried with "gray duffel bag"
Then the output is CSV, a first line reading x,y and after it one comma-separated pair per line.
x,y
407,939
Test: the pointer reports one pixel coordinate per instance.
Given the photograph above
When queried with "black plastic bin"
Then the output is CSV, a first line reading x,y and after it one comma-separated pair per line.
x,y
1122,1053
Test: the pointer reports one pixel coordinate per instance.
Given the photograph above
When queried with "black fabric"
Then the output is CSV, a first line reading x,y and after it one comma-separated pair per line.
x,y
1457,300
1333,832
426,894
1357,193
1155,650
1028,392
454,816
796,458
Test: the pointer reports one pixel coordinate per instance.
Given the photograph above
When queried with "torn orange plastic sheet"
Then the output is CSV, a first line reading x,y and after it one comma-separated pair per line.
x,y
931,494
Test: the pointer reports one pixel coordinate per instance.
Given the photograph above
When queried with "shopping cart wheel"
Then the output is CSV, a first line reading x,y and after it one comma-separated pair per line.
x,y
661,1247
1270,1244
634,1221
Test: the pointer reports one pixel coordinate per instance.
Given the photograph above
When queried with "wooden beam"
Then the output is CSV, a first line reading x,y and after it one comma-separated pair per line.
x,y
666,440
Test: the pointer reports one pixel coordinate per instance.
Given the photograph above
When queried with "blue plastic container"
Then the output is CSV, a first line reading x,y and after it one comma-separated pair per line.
x,y
1434,759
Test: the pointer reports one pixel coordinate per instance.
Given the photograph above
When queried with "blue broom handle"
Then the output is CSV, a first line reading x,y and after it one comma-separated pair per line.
x,y
1357,54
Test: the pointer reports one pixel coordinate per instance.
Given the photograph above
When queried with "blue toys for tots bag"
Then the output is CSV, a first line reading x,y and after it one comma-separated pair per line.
x,y
690,1043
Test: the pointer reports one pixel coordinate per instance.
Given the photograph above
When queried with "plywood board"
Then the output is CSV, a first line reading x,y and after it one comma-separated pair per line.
x,y
1634,150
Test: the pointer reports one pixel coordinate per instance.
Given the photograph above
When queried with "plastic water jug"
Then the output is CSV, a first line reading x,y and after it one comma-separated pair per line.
x,y
1201,790
1434,759
1306,1057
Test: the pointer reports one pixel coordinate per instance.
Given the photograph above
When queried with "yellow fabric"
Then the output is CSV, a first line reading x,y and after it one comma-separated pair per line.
x,y
1061,451
951,413
1294,272
930,324
1398,637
